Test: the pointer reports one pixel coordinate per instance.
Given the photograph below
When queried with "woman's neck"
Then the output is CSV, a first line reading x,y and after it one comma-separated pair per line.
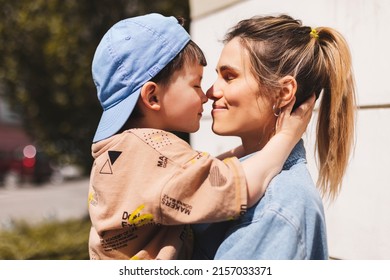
x,y
253,144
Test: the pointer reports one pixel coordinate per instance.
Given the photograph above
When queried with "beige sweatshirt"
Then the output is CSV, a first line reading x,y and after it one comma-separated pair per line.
x,y
147,186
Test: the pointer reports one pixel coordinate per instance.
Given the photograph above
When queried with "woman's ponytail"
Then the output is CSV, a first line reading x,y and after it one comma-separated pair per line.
x,y
336,117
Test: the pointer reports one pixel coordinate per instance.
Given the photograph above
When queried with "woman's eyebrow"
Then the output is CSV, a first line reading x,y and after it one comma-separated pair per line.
x,y
226,67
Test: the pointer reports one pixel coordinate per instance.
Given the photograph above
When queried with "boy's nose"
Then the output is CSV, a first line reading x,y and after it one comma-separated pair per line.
x,y
204,97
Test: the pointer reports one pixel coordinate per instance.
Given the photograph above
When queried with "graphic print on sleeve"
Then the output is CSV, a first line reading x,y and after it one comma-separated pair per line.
x,y
112,157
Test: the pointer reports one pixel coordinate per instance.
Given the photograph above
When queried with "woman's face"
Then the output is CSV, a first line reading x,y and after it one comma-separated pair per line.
x,y
240,108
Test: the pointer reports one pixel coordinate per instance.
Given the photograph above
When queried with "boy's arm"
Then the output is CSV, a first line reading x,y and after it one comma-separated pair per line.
x,y
267,163
237,152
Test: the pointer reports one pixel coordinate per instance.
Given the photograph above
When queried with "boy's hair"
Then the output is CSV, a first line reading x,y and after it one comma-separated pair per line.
x,y
190,54
132,52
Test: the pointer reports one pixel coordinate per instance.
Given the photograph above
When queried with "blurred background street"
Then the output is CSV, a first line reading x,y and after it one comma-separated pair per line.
x,y
47,202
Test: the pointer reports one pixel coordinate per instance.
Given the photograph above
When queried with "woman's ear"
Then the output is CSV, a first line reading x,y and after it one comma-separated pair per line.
x,y
288,88
150,96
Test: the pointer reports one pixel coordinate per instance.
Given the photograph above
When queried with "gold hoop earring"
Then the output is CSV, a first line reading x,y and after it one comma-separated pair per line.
x,y
276,111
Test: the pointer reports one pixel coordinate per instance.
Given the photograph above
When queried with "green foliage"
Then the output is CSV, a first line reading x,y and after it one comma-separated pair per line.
x,y
46,50
48,241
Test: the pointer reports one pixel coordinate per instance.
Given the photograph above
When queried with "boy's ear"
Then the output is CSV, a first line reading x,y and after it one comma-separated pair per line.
x,y
288,88
150,96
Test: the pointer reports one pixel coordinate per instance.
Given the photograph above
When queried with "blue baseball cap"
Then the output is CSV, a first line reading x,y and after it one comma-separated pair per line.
x,y
132,52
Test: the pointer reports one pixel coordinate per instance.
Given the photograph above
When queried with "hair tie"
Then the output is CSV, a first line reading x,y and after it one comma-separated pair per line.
x,y
314,33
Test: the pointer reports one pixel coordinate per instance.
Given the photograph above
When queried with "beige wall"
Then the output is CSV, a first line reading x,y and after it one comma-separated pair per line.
x,y
359,221
201,8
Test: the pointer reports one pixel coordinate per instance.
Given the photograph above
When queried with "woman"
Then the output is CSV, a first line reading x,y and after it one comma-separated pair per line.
x,y
266,61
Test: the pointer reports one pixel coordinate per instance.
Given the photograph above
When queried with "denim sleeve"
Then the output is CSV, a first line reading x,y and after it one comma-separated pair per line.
x,y
272,237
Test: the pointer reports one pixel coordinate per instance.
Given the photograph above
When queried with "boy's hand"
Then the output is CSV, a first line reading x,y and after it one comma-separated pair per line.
x,y
294,124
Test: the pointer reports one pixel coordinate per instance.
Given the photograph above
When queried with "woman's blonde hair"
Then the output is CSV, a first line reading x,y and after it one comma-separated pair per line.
x,y
320,61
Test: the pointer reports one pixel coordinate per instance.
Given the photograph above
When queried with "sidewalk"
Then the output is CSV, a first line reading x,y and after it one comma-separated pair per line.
x,y
43,203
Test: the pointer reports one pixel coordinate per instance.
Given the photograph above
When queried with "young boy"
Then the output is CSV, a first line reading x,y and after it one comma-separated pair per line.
x,y
147,185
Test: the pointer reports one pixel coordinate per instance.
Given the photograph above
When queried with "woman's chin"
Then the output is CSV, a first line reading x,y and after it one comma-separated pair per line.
x,y
220,131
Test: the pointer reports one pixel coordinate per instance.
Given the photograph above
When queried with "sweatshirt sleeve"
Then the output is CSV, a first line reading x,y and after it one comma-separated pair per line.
x,y
204,189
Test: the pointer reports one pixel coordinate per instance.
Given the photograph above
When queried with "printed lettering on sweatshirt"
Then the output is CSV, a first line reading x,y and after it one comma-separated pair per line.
x,y
176,204
117,241
136,219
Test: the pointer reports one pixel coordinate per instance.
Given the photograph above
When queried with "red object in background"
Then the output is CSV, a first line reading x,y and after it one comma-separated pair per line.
x,y
28,162
19,157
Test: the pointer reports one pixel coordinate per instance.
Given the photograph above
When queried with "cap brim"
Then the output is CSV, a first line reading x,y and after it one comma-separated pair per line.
x,y
115,117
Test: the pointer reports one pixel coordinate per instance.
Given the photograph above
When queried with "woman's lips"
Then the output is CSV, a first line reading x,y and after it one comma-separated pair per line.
x,y
218,108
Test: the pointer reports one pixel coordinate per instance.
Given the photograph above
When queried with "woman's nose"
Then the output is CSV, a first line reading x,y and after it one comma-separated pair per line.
x,y
214,93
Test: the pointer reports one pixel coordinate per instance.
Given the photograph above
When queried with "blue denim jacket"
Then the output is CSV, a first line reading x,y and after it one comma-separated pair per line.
x,y
287,223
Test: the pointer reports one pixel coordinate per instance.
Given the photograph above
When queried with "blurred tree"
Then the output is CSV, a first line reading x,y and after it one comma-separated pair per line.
x,y
46,50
